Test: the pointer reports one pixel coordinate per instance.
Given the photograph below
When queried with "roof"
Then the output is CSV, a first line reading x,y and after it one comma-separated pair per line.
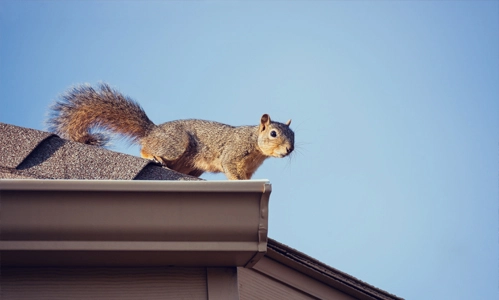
x,y
29,153
324,273
34,154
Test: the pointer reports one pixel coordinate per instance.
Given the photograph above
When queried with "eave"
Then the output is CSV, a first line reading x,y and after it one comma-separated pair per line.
x,y
133,223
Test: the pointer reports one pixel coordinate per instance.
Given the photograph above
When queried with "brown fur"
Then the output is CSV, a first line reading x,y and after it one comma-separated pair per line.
x,y
187,146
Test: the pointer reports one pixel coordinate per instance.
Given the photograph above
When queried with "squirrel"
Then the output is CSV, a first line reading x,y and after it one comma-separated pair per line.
x,y
189,146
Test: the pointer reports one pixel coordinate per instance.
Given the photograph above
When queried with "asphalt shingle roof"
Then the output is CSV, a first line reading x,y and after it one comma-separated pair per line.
x,y
29,153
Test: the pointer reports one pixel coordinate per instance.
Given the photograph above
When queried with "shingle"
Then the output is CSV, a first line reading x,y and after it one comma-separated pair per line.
x,y
62,159
5,174
156,172
17,143
31,153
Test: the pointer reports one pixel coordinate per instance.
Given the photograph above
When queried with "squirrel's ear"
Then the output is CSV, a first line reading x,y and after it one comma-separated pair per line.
x,y
288,122
264,122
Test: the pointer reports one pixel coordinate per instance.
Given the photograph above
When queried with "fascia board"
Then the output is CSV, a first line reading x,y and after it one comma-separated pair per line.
x,y
307,265
146,223
298,280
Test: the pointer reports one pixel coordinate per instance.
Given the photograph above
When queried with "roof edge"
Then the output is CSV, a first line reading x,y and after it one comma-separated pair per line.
x,y
133,223
322,272
240,186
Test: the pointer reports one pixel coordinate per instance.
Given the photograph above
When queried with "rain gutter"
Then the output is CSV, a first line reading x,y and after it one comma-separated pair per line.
x,y
133,223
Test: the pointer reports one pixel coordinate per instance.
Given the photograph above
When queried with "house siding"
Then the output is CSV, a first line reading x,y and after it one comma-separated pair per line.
x,y
103,283
269,275
253,285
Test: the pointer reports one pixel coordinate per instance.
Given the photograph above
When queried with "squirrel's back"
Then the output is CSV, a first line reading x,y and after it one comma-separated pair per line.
x,y
83,109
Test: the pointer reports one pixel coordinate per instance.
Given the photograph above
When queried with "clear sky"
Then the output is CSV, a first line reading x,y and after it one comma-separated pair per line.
x,y
394,105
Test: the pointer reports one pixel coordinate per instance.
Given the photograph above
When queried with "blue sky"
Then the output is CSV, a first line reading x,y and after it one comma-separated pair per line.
x,y
394,105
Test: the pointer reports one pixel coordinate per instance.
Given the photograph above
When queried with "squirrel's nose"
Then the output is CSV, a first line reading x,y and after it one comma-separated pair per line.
x,y
289,149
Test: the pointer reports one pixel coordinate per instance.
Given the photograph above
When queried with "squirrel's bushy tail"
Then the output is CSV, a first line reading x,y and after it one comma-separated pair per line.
x,y
83,109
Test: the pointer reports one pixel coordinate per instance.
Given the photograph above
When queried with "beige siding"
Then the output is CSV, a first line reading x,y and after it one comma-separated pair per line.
x,y
253,285
103,283
299,281
222,283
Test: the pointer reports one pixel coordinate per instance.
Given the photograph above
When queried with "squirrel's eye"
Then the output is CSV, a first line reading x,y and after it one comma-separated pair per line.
x,y
273,133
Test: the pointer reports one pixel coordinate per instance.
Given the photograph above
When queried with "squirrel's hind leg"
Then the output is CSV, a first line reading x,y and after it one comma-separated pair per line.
x,y
165,145
155,158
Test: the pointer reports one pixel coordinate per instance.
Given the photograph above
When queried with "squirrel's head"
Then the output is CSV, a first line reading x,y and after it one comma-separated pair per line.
x,y
274,138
